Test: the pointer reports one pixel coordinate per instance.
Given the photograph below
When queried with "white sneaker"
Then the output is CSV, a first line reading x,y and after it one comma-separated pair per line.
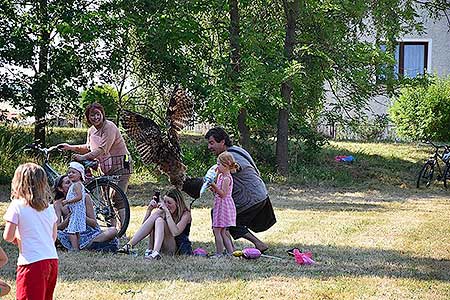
x,y
154,256
148,252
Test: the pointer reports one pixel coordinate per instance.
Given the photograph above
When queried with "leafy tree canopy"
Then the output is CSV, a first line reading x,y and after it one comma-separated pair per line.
x,y
105,94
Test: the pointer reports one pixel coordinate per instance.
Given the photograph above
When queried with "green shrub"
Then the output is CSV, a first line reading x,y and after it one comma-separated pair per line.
x,y
423,112
57,135
369,129
12,140
196,156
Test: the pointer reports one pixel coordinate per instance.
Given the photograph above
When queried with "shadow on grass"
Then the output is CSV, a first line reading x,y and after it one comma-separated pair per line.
x,y
300,200
332,262
304,198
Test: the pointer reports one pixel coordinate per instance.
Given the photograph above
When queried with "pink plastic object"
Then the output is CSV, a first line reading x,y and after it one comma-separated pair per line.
x,y
344,158
200,252
251,253
303,258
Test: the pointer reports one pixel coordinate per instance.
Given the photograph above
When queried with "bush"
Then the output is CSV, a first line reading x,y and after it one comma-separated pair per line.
x,y
423,112
12,140
57,135
370,129
196,156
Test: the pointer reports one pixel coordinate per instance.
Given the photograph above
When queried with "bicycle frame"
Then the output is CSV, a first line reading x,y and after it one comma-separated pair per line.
x,y
428,170
52,174
100,189
436,157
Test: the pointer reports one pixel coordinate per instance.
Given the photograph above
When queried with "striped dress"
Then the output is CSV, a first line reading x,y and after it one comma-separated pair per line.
x,y
224,212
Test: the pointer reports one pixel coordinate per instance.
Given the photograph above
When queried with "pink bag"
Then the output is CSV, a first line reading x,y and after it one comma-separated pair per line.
x,y
200,252
251,253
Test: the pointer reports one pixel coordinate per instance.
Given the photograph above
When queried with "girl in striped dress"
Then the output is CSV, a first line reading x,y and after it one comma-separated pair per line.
x,y
224,211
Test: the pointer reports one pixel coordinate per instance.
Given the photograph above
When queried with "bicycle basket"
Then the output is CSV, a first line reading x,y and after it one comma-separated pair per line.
x,y
116,165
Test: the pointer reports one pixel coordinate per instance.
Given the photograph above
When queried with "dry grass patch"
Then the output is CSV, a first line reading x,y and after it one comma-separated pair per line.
x,y
369,244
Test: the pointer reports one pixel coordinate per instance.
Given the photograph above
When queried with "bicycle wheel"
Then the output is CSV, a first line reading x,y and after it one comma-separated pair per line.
x,y
425,175
446,176
102,192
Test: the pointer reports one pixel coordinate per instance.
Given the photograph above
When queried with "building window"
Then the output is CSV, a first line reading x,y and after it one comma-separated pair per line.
x,y
412,58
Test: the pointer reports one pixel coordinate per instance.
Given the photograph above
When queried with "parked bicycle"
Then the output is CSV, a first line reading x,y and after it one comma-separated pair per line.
x,y
438,162
102,189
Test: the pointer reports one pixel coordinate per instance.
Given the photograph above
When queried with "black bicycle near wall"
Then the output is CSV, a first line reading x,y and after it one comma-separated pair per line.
x,y
102,189
437,167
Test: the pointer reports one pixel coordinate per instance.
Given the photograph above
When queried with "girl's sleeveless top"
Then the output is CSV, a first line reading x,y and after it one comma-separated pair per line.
x,y
224,211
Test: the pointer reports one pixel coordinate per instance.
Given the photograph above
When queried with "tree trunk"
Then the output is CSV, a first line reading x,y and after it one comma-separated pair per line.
x,y
390,74
291,9
40,88
244,133
235,59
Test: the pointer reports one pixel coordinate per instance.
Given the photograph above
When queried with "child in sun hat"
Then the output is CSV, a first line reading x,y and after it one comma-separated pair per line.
x,y
75,200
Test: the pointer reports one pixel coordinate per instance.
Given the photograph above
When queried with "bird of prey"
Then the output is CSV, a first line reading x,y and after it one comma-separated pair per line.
x,y
161,146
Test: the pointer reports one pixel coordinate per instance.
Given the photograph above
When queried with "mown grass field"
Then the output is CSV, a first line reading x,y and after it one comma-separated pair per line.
x,y
373,235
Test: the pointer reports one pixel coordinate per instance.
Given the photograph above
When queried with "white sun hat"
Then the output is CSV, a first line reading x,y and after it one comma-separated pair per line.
x,y
79,167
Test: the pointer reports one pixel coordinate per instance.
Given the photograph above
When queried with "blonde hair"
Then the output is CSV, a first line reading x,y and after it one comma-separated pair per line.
x,y
228,161
30,183
176,195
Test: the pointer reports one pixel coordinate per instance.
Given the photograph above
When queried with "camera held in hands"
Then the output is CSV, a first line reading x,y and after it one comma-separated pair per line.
x,y
156,196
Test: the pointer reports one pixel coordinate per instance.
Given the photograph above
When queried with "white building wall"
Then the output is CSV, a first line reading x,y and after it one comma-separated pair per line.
x,y
437,35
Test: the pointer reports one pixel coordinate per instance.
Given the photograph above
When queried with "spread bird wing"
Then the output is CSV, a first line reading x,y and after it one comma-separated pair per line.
x,y
154,146
178,114
180,109
145,133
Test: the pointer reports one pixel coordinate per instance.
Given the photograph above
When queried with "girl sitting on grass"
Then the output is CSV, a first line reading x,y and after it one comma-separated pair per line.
x,y
93,238
167,224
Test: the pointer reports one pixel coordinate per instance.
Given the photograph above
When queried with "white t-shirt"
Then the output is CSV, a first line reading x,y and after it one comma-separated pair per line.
x,y
34,231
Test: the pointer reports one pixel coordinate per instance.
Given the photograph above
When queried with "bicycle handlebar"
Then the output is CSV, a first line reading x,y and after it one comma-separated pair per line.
x,y
46,151
438,146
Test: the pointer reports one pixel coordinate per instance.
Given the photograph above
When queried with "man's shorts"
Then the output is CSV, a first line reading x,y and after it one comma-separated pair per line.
x,y
257,218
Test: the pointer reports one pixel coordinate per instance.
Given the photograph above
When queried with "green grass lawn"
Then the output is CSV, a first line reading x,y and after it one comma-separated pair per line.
x,y
374,237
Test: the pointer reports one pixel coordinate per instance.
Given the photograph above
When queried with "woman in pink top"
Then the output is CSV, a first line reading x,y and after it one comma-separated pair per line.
x,y
106,144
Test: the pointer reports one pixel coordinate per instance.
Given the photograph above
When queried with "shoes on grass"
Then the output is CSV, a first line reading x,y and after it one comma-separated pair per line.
x,y
154,255
148,252
125,249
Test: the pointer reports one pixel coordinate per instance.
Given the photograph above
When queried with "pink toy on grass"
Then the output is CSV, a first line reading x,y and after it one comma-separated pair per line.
x,y
303,258
200,252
